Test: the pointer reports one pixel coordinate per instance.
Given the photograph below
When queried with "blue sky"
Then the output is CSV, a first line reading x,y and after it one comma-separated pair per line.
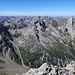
x,y
38,7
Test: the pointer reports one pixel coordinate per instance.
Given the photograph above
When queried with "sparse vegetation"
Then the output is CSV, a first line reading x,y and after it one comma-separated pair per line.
x,y
59,50
29,57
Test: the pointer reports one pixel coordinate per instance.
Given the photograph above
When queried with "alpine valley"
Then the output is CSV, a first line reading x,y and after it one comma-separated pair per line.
x,y
32,41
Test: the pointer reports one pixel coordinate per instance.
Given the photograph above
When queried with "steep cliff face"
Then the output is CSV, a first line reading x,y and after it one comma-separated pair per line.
x,y
7,50
38,39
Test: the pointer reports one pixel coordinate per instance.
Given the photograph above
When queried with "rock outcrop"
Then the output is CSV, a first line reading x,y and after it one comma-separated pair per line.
x,y
46,69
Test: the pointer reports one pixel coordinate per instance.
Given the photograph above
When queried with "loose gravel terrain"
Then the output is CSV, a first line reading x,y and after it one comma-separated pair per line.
x,y
12,69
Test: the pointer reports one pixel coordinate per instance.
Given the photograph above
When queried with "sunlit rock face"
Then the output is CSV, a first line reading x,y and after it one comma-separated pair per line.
x,y
46,69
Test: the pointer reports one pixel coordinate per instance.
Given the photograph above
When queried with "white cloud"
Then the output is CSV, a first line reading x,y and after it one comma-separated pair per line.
x,y
37,14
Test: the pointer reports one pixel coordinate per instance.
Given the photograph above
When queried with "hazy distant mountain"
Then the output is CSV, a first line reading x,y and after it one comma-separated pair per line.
x,y
35,40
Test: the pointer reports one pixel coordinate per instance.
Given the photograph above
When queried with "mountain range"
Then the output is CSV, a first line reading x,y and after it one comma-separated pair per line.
x,y
32,41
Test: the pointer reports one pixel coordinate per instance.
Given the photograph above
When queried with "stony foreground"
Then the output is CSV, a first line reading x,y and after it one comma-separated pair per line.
x,y
45,69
